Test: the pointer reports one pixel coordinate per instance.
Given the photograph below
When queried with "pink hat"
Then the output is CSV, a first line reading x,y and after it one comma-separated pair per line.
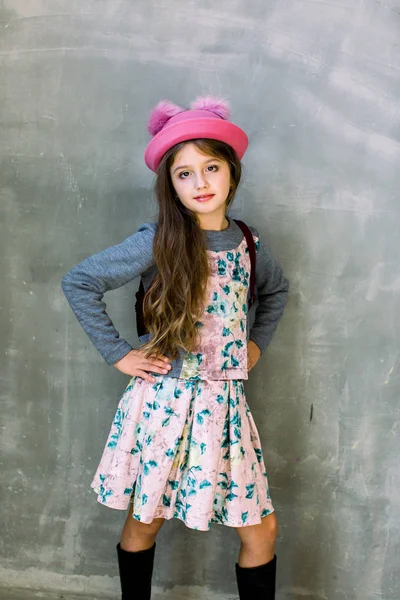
x,y
207,117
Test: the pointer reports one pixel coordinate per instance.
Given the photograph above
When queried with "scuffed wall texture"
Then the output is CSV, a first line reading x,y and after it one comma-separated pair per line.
x,y
316,86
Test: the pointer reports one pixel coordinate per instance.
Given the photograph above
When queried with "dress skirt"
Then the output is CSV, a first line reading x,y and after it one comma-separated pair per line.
x,y
186,449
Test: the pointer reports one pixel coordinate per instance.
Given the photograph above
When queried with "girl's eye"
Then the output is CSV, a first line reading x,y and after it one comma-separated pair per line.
x,y
183,174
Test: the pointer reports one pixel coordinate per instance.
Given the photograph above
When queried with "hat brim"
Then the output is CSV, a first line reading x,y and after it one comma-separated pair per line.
x,y
190,129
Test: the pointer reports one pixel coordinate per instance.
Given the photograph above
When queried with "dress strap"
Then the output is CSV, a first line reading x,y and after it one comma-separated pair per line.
x,y
141,330
252,251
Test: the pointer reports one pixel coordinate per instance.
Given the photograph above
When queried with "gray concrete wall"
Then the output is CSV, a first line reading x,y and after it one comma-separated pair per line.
x,y
316,86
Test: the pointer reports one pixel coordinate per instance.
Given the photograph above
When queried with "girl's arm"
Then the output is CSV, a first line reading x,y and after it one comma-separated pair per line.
x,y
272,293
86,283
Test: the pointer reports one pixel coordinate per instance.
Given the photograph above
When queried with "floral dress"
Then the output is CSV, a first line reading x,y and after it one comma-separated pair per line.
x,y
187,447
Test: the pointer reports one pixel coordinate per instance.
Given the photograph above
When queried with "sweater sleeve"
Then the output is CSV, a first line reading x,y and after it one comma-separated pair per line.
x,y
86,283
272,293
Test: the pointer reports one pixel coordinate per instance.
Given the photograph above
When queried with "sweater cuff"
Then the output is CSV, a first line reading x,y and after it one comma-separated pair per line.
x,y
118,351
261,342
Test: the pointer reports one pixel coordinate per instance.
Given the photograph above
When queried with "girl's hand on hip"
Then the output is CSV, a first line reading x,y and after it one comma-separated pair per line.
x,y
136,364
253,354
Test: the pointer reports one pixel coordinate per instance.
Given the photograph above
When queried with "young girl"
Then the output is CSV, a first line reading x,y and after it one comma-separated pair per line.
x,y
183,443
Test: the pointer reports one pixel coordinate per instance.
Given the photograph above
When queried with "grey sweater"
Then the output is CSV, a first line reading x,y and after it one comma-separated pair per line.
x,y
85,285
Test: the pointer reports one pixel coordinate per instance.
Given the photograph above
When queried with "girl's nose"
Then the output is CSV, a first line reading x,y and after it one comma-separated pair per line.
x,y
201,181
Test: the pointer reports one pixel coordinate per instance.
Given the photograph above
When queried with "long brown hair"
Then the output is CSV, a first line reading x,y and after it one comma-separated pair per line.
x,y
174,300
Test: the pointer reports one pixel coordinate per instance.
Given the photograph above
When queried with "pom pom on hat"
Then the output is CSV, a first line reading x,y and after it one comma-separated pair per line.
x,y
218,106
165,109
161,114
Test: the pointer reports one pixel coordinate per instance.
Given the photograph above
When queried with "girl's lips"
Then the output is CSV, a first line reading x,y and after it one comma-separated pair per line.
x,y
204,198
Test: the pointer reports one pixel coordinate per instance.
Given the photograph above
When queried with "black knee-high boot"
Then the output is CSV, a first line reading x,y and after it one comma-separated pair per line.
x,y
257,583
135,572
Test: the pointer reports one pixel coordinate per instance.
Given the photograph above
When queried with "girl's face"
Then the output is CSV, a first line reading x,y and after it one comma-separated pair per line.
x,y
201,181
